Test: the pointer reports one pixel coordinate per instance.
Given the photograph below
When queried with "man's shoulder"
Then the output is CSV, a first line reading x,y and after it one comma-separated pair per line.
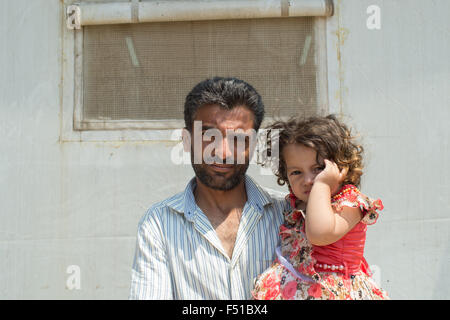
x,y
275,194
276,197
160,208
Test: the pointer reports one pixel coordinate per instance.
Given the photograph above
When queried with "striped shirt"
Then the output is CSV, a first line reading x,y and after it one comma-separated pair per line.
x,y
179,255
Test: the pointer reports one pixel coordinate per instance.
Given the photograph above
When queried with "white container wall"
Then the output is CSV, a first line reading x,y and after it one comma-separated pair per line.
x,y
394,86
68,203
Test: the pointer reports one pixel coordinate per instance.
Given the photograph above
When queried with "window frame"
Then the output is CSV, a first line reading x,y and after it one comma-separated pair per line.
x,y
75,128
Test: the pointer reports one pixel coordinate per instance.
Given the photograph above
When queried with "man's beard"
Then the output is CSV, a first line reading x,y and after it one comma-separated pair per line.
x,y
224,184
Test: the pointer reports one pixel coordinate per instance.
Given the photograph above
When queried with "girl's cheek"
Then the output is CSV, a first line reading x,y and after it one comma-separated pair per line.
x,y
295,182
290,183
291,180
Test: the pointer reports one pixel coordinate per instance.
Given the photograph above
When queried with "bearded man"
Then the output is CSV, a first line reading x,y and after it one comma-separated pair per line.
x,y
211,240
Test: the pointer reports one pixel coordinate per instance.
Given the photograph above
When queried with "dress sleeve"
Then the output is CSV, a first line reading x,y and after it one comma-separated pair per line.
x,y
350,196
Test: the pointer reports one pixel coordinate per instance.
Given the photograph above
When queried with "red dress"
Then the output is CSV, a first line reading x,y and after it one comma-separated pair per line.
x,y
304,271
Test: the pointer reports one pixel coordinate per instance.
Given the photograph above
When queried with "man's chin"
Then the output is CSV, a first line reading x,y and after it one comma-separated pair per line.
x,y
223,181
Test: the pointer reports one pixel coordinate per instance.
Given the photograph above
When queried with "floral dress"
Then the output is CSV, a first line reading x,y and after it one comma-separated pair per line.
x,y
304,271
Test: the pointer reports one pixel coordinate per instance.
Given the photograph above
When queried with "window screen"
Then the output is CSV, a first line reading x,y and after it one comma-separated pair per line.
x,y
144,71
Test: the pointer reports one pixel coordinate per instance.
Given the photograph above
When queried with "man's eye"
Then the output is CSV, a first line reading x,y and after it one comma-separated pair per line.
x,y
238,138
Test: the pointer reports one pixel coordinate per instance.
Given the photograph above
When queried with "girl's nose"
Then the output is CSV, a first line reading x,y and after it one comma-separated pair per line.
x,y
309,179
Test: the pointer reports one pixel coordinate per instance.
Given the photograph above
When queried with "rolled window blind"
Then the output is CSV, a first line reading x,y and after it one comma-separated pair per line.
x,y
134,11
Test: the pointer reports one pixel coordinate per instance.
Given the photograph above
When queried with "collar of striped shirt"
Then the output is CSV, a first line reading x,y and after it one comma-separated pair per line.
x,y
256,197
173,261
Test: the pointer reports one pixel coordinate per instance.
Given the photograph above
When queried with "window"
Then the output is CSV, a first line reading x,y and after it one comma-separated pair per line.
x,y
136,75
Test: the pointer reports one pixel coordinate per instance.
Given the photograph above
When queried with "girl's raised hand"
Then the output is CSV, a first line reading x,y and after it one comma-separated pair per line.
x,y
331,175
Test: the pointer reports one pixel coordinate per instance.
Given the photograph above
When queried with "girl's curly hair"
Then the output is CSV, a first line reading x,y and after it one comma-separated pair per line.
x,y
330,138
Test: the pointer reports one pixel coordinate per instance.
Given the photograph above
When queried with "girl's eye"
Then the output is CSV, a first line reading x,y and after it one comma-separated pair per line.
x,y
293,173
318,169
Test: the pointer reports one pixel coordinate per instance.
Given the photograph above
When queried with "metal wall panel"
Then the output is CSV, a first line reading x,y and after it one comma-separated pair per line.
x,y
392,85
68,202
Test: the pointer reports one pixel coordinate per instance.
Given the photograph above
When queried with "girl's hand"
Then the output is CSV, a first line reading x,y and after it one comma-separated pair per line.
x,y
323,225
332,176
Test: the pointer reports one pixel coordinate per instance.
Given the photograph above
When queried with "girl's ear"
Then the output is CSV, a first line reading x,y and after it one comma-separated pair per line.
x,y
186,137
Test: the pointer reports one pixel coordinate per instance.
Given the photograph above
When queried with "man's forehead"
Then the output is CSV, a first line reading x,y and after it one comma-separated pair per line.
x,y
214,116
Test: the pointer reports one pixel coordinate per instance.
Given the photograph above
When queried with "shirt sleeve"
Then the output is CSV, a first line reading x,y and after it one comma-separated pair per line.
x,y
150,275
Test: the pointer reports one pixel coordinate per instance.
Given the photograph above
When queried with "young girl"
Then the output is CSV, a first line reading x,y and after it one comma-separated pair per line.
x,y
323,236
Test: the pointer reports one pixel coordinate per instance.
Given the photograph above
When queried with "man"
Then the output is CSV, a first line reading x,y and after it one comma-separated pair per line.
x,y
213,239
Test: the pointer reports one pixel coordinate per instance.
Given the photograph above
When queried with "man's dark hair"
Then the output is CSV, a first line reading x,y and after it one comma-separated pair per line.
x,y
225,92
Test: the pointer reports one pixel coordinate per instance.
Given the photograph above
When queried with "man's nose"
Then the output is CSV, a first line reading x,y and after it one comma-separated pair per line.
x,y
225,150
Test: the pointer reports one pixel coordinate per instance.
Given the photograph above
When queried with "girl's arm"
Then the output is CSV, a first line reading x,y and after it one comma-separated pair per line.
x,y
323,225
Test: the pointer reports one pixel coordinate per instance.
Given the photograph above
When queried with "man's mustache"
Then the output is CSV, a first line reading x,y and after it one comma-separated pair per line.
x,y
218,160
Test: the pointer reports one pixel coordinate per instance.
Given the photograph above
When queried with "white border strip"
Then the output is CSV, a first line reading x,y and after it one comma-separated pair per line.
x,y
194,10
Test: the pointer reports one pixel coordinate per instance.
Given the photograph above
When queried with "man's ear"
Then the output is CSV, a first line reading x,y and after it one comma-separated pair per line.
x,y
186,137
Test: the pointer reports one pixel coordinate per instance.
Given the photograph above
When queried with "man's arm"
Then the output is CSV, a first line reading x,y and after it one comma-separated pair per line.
x,y
150,276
